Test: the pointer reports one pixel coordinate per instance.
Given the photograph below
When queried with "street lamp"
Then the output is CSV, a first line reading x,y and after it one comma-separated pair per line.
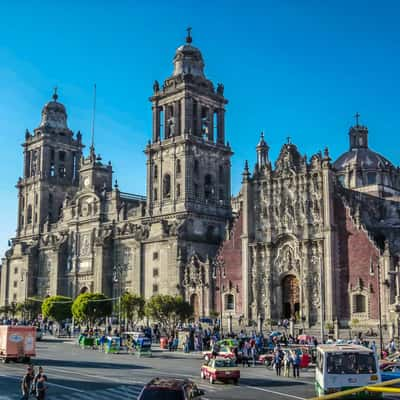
x,y
118,270
380,309
219,275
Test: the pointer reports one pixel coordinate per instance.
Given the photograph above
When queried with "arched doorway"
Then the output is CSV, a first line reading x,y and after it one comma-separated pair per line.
x,y
194,302
290,296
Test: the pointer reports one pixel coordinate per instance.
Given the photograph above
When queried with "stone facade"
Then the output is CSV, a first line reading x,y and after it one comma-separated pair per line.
x,y
310,238
77,232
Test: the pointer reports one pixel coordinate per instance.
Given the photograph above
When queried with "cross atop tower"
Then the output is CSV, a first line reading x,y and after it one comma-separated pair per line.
x,y
189,35
289,140
357,117
55,95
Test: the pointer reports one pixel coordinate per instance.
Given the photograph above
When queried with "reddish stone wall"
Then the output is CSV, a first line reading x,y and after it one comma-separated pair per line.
x,y
354,251
231,253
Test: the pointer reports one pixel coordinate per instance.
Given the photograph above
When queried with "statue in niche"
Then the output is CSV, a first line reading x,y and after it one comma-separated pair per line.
x,y
172,126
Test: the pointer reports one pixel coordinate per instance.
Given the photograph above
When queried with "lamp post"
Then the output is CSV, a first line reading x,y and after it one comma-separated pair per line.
x,y
118,270
218,275
380,310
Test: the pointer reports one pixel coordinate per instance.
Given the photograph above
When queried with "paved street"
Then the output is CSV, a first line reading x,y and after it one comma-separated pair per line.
x,y
91,375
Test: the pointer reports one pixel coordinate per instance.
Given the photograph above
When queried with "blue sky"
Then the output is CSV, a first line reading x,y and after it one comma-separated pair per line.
x,y
291,68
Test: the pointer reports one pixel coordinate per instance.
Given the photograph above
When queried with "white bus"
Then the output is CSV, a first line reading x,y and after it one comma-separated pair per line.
x,y
345,366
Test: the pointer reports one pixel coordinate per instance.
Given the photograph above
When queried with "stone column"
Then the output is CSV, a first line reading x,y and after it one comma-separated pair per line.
x,y
156,122
331,296
211,125
198,122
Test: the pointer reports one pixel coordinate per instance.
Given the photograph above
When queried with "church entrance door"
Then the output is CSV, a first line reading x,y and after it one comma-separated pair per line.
x,y
194,302
290,296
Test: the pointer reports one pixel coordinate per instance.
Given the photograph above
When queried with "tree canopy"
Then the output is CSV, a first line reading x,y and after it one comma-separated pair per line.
x,y
57,308
132,306
168,310
90,306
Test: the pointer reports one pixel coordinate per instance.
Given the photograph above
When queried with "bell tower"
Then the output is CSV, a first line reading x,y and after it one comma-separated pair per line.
x,y
188,159
51,163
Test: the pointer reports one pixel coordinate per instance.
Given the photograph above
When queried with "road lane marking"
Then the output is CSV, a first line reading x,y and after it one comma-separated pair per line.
x,y
278,393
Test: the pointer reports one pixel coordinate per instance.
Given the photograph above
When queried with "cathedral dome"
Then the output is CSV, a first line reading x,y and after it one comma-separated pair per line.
x,y
363,158
188,59
54,115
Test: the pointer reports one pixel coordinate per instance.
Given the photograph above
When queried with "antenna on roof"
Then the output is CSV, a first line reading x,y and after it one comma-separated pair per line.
x,y
93,119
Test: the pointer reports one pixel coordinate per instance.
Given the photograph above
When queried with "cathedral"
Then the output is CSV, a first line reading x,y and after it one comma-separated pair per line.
x,y
307,239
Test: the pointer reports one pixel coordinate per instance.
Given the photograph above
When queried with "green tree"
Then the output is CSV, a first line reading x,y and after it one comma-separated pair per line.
x,y
30,308
168,310
132,306
57,308
87,307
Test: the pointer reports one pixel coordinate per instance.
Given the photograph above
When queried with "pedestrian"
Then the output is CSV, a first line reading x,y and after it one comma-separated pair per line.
x,y
39,375
287,359
41,388
296,364
253,353
26,383
278,362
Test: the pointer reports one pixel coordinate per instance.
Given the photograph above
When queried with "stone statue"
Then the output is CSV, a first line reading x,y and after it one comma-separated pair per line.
x,y
156,86
220,89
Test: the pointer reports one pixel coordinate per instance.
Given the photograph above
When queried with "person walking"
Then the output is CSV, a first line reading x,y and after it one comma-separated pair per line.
x,y
278,362
41,388
39,375
26,383
296,364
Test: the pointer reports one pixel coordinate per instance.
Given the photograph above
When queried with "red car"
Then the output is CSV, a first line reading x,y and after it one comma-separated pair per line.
x,y
170,389
220,369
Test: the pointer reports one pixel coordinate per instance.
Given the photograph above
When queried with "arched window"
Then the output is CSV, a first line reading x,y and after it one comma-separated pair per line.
x,y
229,302
29,215
155,195
155,172
178,167
167,186
178,190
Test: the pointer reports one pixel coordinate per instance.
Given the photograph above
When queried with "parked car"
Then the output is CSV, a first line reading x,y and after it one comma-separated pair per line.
x,y
220,369
170,389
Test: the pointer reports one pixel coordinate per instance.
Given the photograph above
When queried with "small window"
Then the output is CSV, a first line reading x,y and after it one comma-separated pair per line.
x,y
61,156
15,296
167,186
15,284
196,167
155,196
155,255
178,190
178,167
155,172
15,271
155,272
52,170
359,303
196,190
52,154
155,288
221,173
29,215
371,178
229,302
